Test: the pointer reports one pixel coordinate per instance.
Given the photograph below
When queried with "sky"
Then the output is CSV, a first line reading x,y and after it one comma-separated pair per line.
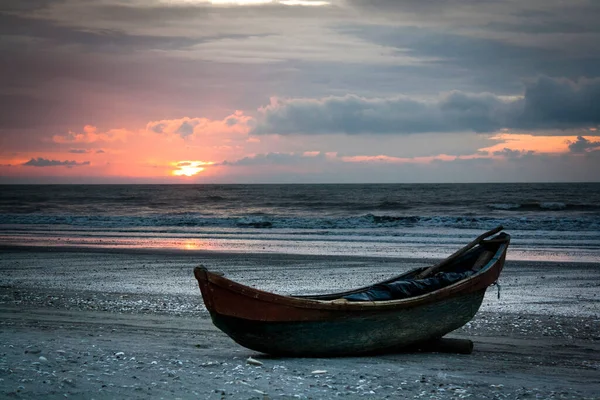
x,y
299,91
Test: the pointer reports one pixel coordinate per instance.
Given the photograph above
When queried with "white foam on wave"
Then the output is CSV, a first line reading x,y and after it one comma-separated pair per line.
x,y
547,222
503,206
553,205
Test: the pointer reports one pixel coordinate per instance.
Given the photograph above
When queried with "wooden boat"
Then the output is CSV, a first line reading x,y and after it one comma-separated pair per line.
x,y
332,325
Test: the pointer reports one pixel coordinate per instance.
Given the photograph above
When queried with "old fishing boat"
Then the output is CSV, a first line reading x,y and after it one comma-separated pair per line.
x,y
418,306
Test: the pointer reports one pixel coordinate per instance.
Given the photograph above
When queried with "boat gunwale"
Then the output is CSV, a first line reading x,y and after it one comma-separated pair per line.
x,y
475,282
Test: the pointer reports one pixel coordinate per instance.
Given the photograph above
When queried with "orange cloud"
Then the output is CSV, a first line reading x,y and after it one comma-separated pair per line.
x,y
202,145
530,143
236,123
143,153
90,134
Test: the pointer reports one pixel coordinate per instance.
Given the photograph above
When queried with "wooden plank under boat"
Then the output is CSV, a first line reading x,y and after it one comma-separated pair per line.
x,y
330,325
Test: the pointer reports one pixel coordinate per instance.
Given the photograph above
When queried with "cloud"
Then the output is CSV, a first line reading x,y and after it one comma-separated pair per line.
x,y
483,45
156,127
582,145
90,135
275,158
536,17
100,62
236,123
79,151
312,158
185,129
510,153
109,40
506,165
183,28
547,103
355,115
43,162
561,103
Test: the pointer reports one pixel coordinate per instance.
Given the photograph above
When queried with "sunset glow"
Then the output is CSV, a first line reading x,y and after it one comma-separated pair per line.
x,y
285,91
191,244
528,142
189,168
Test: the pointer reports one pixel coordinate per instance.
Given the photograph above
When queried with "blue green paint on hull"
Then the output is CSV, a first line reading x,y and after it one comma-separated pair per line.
x,y
354,333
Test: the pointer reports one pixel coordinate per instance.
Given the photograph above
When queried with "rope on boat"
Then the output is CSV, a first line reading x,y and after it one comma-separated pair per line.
x,y
497,284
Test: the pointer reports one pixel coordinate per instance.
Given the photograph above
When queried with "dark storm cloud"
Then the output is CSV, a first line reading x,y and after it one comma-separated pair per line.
x,y
490,45
101,40
550,25
93,25
561,103
570,26
548,103
487,62
28,5
448,47
394,6
583,145
355,115
94,54
43,162
529,16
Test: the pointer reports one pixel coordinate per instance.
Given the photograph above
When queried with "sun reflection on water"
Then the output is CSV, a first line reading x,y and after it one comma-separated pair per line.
x,y
194,245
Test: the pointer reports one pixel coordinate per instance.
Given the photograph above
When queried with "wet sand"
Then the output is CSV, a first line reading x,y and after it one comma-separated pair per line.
x,y
87,323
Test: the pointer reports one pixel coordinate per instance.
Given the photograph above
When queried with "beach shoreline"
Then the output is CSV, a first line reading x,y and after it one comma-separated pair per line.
x,y
100,323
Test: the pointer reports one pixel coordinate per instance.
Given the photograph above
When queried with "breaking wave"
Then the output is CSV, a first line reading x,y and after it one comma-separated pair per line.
x,y
366,221
544,206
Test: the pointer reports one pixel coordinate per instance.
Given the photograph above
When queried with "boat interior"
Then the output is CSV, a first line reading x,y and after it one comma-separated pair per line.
x,y
428,279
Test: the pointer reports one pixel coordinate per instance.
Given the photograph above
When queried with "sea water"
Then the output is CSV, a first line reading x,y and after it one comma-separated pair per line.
x,y
547,221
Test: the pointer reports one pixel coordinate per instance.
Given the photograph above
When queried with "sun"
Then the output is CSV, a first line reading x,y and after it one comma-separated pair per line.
x,y
188,171
189,168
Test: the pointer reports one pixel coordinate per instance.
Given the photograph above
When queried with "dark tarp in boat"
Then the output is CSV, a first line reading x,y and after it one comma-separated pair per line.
x,y
413,285
403,289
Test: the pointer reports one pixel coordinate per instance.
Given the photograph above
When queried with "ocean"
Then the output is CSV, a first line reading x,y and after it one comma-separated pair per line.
x,y
547,221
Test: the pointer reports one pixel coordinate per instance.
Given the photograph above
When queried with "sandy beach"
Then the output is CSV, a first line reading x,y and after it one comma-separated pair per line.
x,y
97,323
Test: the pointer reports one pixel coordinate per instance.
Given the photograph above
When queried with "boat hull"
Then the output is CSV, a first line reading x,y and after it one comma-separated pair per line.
x,y
333,325
353,333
